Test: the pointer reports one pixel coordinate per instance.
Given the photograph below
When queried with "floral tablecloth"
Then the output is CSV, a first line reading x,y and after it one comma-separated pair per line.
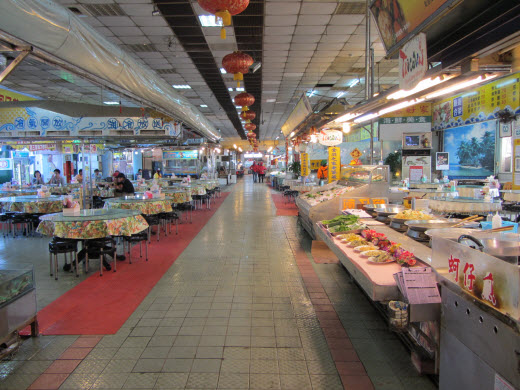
x,y
103,192
144,206
207,184
194,189
5,193
90,224
178,197
31,204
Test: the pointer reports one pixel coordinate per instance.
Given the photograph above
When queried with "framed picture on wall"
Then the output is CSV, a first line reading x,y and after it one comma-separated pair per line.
x,y
442,161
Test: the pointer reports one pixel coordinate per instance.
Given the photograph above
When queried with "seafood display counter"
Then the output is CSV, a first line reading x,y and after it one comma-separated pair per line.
x,y
17,300
365,184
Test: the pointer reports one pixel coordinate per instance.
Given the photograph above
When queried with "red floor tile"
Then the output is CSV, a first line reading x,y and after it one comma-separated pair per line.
x,y
331,324
318,295
75,353
339,343
344,355
338,333
318,289
48,382
86,342
350,368
323,307
356,382
320,301
62,366
327,315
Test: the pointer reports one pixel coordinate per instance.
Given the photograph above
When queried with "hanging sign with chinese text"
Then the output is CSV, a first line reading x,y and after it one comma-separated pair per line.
x,y
412,62
334,166
330,137
304,160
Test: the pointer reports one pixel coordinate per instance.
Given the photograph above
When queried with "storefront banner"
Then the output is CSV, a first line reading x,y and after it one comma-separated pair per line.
x,y
6,95
315,164
70,147
397,19
413,62
334,166
304,161
478,105
330,137
6,164
42,121
180,154
416,111
41,147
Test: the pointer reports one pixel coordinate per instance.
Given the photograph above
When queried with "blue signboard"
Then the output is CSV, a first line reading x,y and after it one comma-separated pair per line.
x,y
180,154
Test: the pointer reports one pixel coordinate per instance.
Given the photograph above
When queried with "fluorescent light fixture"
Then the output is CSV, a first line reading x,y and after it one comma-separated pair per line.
x,y
340,95
239,107
314,138
181,86
469,94
290,135
461,85
399,106
223,71
204,105
230,89
202,149
270,100
353,83
309,94
346,117
506,83
421,86
235,146
210,21
290,148
346,127
253,155
270,148
217,150
240,89
111,103
277,137
239,149
366,117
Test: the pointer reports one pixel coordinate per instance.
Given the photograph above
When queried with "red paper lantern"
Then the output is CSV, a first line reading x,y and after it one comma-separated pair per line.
x,y
250,127
237,63
245,100
251,135
248,116
224,9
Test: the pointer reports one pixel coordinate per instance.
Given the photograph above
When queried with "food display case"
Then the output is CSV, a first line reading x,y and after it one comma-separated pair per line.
x,y
363,184
17,299
480,332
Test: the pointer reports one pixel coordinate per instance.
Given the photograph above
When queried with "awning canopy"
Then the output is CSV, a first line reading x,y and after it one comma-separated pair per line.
x,y
57,34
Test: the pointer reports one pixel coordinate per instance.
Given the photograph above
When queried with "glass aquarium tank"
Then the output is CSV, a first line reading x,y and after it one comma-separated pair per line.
x,y
365,173
14,281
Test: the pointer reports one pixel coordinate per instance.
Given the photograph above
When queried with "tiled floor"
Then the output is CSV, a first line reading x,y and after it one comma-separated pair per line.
x,y
243,307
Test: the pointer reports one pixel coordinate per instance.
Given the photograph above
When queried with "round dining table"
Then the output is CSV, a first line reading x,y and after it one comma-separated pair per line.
x,y
143,205
92,224
32,204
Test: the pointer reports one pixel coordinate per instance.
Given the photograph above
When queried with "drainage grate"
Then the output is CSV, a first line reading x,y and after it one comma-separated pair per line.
x,y
357,8
103,10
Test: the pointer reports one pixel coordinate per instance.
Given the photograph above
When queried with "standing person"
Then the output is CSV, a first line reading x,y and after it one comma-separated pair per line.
x,y
38,178
261,172
255,173
323,171
123,186
139,174
57,179
79,176
157,174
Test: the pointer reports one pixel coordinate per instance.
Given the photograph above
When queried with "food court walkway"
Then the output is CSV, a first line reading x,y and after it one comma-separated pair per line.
x,y
244,306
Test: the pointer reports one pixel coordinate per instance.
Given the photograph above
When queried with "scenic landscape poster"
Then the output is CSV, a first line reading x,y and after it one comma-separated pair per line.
x,y
471,149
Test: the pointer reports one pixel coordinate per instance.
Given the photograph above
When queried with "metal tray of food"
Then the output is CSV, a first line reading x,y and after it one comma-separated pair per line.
x,y
356,231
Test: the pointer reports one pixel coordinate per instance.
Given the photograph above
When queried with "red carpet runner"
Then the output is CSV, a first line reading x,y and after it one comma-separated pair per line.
x,y
283,208
101,305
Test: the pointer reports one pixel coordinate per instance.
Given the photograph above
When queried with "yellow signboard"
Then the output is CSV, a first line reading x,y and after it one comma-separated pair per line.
x,y
315,164
11,96
478,105
334,166
304,161
352,203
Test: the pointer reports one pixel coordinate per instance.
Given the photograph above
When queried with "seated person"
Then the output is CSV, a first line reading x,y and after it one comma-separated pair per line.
x,y
79,176
57,179
123,186
97,175
38,178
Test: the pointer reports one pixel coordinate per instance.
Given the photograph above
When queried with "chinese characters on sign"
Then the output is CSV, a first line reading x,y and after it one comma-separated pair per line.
x,y
304,158
334,168
352,203
315,164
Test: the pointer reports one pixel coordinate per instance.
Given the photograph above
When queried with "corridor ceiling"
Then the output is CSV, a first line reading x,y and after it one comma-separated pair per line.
x,y
305,46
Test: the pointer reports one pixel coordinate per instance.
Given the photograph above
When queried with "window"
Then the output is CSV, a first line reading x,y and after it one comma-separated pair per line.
x,y
506,152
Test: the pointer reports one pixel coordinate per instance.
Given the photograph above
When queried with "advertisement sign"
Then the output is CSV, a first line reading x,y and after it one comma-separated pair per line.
x,y
330,137
304,158
506,129
478,105
334,166
442,161
180,154
413,62
516,170
414,167
315,164
6,164
398,19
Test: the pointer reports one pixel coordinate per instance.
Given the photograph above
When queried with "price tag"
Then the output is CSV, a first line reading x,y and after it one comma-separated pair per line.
x,y
352,203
